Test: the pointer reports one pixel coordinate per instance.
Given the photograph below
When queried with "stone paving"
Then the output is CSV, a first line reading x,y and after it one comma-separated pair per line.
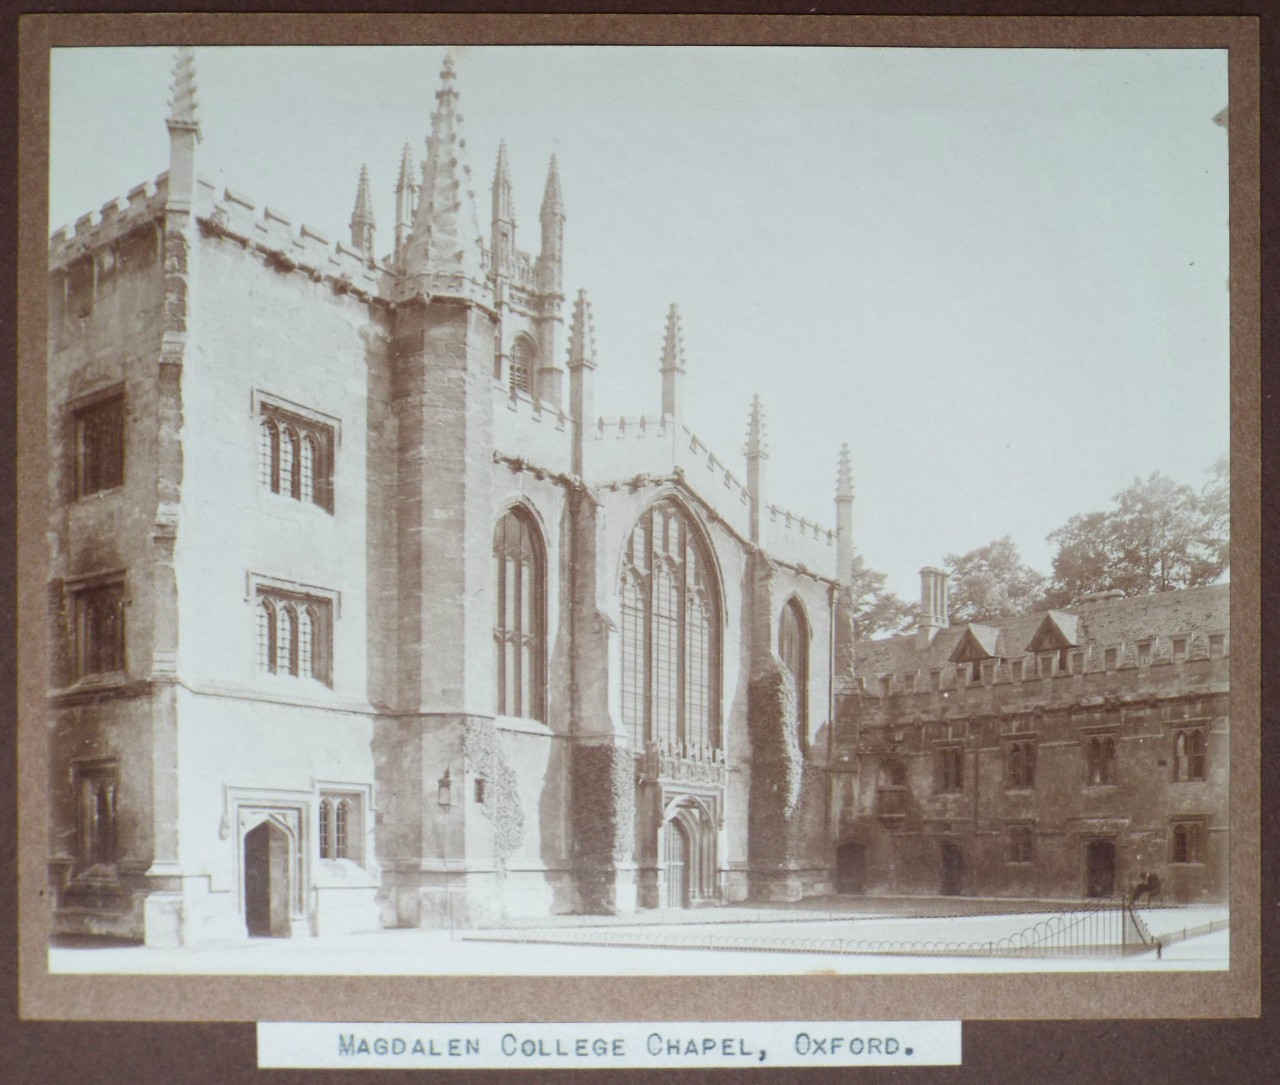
x,y
666,943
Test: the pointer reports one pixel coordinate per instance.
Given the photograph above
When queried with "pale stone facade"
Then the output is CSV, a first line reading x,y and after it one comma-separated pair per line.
x,y
286,698
361,615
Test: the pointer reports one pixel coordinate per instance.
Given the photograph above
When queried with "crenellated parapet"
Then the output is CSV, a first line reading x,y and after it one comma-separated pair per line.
x,y
271,234
142,205
1096,675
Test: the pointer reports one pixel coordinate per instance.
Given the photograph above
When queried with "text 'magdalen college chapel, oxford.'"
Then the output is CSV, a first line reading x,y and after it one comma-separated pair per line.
x,y
360,616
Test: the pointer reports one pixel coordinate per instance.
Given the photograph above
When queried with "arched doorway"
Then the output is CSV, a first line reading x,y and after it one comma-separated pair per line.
x,y
675,863
952,869
851,867
266,881
1100,868
688,854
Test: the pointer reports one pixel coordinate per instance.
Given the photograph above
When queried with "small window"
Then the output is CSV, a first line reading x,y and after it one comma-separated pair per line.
x,y
99,451
1110,659
1064,660
1046,664
893,773
480,790
1077,663
935,680
1187,842
1020,764
1217,644
1020,847
1188,754
1100,759
99,630
950,768
97,787
1179,648
341,826
975,674
295,635
1015,671
1144,653
295,457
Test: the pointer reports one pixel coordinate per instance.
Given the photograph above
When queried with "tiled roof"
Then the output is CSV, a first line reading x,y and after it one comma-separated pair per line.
x,y
1101,622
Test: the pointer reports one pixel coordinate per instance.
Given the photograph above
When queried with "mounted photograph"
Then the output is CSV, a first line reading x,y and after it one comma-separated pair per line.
x,y
608,511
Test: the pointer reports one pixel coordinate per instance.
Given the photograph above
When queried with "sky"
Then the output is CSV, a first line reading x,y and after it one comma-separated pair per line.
x,y
999,275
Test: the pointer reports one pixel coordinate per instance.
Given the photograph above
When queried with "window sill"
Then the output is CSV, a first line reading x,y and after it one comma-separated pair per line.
x,y
97,495
522,724
343,874
104,680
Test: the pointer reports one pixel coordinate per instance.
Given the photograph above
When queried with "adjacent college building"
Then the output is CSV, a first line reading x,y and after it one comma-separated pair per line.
x,y
360,615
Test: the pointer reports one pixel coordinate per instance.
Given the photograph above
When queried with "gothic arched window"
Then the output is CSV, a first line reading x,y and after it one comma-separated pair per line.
x,y
670,633
793,647
523,360
519,630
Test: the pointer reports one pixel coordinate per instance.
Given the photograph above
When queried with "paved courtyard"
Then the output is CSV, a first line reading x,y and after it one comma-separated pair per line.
x,y
728,941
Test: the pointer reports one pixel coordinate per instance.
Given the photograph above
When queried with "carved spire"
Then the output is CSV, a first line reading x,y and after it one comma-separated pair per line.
x,y
844,516
443,253
362,224
844,475
551,256
552,198
757,452
184,133
502,186
672,363
582,364
757,447
183,104
406,201
582,334
502,242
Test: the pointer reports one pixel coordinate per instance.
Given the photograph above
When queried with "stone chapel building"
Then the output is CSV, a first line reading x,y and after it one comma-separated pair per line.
x,y
361,615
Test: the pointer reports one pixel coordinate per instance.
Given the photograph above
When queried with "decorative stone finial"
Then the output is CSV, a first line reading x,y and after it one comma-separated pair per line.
x,y
844,475
673,343
183,104
362,224
406,180
582,334
757,446
552,199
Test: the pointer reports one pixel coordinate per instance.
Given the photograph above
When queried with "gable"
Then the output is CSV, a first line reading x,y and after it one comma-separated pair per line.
x,y
1058,630
977,642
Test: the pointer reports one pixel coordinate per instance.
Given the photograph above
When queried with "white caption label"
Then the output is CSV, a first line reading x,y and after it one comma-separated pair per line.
x,y
488,1046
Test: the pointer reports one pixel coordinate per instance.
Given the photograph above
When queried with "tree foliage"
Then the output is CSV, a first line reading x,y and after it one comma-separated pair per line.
x,y
992,582
877,612
1159,536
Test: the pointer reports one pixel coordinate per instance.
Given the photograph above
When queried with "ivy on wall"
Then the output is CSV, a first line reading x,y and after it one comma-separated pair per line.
x,y
502,806
604,814
777,768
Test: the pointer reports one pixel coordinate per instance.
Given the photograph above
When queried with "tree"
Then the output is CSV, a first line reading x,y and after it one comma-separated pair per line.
x,y
876,612
992,582
1161,535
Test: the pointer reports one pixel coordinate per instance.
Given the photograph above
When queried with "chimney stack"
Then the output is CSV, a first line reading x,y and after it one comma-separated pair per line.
x,y
934,605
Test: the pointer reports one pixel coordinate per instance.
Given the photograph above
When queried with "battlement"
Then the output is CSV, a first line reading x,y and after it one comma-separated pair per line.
x,y
226,214
269,231
143,203
695,459
1167,662
790,521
